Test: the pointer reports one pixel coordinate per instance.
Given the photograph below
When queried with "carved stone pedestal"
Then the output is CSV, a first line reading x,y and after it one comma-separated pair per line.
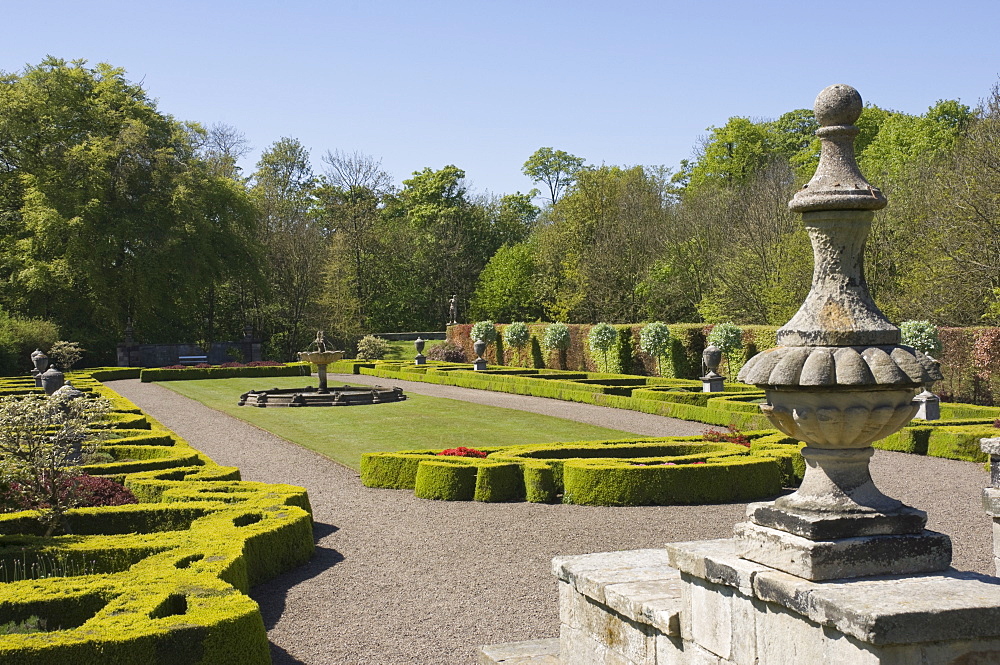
x,y
699,603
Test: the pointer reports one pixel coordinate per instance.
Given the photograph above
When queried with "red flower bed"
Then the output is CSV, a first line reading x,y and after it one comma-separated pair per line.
x,y
462,451
732,436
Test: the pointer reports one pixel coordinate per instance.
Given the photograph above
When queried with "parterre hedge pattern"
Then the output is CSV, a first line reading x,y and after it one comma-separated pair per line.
x,y
955,436
161,581
191,373
628,472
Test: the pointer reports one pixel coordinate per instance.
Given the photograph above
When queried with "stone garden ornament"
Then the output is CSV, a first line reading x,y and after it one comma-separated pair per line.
x,y
839,380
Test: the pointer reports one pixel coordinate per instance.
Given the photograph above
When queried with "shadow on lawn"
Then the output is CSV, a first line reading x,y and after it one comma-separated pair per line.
x,y
271,595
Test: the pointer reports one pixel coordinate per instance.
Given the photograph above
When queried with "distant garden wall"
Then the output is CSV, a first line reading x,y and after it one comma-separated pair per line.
x,y
970,359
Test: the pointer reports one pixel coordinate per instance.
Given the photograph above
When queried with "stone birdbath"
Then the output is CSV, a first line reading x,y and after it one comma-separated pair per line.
x,y
839,380
320,357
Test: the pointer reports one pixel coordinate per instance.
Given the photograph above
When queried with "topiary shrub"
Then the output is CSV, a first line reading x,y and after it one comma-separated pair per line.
x,y
484,330
556,338
922,336
516,335
600,339
654,338
372,348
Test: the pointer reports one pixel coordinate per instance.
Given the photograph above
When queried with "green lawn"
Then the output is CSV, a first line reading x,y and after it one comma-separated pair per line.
x,y
343,433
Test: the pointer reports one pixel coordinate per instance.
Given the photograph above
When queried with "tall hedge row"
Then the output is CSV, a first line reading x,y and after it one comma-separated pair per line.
x,y
970,358
683,361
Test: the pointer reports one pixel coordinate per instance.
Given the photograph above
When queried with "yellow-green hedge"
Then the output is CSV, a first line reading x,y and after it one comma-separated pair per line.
x,y
162,581
595,472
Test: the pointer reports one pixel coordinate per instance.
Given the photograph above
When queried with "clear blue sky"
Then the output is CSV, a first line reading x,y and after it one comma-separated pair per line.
x,y
482,84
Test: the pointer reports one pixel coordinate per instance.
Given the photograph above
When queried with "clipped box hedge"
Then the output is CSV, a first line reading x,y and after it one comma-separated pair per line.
x,y
610,473
192,373
161,581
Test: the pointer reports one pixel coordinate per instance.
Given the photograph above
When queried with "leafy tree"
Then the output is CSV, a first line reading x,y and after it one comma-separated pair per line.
x,y
505,288
733,153
63,355
556,337
104,201
556,168
444,239
296,241
921,335
596,244
728,337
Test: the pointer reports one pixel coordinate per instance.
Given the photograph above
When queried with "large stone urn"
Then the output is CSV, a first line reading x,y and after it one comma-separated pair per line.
x,y
839,380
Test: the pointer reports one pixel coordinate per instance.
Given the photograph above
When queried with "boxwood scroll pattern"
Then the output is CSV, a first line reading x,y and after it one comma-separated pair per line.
x,y
161,581
676,470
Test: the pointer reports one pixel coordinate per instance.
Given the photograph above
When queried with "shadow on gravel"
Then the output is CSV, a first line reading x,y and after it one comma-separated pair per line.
x,y
271,595
281,657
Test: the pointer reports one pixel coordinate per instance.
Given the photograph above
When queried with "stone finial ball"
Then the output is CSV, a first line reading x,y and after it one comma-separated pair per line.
x,y
838,104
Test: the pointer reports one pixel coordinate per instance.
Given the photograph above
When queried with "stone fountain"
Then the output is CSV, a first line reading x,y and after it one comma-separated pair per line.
x,y
345,395
836,572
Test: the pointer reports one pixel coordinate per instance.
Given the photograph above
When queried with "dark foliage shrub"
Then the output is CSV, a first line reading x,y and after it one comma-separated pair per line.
x,y
732,435
100,491
264,363
86,492
447,352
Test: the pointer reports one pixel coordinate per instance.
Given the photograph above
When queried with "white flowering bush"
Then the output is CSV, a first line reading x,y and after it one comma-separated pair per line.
x,y
63,355
654,339
484,330
42,442
600,339
371,347
922,336
556,337
516,335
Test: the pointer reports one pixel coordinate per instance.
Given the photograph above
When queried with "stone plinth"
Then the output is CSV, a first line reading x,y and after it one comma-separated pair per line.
x,y
713,383
699,603
928,406
991,495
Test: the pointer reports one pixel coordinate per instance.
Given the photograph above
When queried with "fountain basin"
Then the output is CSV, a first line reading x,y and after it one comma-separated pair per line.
x,y
321,357
337,396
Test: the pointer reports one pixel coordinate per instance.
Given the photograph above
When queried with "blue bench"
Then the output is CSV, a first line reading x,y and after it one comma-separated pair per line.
x,y
192,360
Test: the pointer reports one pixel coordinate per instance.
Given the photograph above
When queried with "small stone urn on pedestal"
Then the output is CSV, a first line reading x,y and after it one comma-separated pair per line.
x,y
712,382
420,358
51,380
40,363
479,364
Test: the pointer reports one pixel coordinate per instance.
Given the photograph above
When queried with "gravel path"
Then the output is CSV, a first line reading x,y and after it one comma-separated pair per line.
x,y
400,580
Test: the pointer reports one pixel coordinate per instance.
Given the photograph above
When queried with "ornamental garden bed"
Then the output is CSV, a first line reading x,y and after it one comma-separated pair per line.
x,y
160,581
955,436
662,471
